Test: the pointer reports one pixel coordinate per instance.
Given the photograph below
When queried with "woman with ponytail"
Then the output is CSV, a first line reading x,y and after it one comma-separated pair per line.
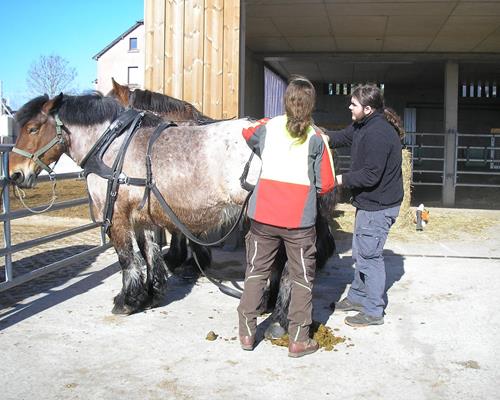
x,y
295,168
376,184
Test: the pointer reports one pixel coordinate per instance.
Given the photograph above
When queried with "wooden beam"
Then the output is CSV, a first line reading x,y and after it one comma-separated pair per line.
x,y
213,66
158,45
231,59
193,52
148,43
174,48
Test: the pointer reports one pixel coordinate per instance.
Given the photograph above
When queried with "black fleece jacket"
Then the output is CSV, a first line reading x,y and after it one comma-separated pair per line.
x,y
375,178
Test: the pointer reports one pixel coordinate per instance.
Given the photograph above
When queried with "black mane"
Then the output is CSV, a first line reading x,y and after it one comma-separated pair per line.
x,y
89,109
30,109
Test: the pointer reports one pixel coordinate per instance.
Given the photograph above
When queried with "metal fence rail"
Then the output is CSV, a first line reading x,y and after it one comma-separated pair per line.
x,y
7,216
477,159
427,151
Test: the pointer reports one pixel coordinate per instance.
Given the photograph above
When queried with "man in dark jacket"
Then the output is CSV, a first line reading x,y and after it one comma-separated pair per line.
x,y
376,184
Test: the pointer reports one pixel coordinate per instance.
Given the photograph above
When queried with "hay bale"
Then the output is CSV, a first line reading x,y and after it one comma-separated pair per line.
x,y
406,214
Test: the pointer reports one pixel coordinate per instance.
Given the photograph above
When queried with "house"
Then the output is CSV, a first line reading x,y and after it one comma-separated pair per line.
x,y
122,59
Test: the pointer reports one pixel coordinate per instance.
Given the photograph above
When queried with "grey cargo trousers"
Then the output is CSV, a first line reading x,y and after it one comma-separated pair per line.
x,y
370,233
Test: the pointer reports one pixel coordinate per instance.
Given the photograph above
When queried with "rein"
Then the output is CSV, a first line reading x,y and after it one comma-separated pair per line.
x,y
21,195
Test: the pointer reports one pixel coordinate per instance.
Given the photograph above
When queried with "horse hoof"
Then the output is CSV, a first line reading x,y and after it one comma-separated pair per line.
x,y
274,331
121,310
188,272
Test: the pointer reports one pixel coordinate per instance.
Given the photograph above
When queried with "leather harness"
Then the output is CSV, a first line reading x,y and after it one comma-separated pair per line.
x,y
127,124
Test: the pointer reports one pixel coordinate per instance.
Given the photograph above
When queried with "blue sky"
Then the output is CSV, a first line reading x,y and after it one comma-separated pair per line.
x,y
76,30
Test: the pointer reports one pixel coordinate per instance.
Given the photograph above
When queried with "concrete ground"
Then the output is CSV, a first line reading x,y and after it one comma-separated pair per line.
x,y
59,339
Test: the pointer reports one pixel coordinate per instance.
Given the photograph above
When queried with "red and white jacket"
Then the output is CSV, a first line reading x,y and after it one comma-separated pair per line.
x,y
292,174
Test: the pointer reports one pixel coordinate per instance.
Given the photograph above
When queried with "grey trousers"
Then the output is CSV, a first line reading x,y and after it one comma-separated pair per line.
x,y
262,243
370,234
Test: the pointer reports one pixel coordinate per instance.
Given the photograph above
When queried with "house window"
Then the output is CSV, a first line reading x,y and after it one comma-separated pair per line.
x,y
133,75
132,44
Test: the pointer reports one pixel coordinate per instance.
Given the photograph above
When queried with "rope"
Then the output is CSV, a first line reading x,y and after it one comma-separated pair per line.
x,y
21,195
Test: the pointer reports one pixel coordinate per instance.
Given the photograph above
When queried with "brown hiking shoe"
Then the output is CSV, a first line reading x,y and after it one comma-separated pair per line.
x,y
299,349
247,342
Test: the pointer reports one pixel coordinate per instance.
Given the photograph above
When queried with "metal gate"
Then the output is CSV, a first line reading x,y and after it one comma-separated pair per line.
x,y
11,279
478,160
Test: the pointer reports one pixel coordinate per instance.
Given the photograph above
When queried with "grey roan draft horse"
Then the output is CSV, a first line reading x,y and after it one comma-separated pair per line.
x,y
187,167
181,112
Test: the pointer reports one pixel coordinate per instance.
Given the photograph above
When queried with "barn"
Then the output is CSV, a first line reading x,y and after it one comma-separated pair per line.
x,y
437,62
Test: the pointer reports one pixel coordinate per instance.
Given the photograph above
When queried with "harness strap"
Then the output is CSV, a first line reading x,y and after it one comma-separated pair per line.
x,y
149,170
183,227
114,183
114,130
243,178
223,288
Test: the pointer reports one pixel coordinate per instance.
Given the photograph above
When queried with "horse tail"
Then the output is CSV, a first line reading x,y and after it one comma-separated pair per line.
x,y
395,120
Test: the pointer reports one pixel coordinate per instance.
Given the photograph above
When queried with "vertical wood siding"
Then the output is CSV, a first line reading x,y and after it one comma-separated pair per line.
x,y
193,52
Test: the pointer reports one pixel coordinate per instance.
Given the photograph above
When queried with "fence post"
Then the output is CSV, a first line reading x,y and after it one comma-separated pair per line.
x,y
5,210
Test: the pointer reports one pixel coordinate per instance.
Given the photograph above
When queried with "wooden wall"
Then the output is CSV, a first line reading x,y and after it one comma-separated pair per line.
x,y
193,52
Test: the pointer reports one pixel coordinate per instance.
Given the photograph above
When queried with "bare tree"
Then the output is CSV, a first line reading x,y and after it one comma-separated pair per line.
x,y
50,74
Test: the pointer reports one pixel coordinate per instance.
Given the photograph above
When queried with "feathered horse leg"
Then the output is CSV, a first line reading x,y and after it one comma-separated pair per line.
x,y
177,255
134,294
177,251
157,272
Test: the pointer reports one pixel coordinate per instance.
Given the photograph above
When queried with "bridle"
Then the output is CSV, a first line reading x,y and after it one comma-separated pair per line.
x,y
58,139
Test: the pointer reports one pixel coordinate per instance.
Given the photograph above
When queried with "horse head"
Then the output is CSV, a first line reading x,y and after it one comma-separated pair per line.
x,y
40,140
120,92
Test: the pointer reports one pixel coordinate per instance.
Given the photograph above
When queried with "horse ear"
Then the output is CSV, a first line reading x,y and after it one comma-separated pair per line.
x,y
53,104
117,86
121,92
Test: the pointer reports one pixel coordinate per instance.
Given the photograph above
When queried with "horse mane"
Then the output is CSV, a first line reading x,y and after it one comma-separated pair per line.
x,y
95,108
89,109
30,109
163,104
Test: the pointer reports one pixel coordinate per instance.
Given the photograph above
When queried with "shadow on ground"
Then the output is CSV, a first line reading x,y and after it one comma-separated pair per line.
x,y
14,310
330,285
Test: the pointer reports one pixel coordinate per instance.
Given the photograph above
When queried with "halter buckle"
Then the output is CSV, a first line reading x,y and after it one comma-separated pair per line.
x,y
123,179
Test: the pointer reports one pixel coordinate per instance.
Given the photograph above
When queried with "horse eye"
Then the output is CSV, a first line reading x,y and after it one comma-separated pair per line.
x,y
33,131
